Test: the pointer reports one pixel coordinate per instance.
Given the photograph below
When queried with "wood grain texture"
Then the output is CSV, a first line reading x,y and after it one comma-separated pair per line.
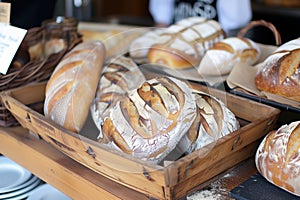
x,y
57,169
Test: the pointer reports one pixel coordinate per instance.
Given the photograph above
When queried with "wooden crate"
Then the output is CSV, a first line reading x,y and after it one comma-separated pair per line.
x,y
176,178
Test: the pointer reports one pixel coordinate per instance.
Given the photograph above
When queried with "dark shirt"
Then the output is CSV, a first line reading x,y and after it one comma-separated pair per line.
x,y
188,8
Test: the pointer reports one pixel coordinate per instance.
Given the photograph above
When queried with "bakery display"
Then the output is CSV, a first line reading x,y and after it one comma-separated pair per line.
x,y
118,77
149,122
223,55
279,73
72,85
213,121
278,157
183,44
141,121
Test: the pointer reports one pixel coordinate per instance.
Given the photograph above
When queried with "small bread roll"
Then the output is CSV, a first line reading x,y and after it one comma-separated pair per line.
x,y
220,59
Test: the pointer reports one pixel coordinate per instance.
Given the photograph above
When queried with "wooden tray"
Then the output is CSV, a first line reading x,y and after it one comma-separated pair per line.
x,y
176,178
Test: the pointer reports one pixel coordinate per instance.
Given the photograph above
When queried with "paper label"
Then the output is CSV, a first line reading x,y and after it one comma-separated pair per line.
x,y
10,40
5,12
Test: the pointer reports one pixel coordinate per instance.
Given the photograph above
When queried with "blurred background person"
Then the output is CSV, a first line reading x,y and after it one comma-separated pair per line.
x,y
232,15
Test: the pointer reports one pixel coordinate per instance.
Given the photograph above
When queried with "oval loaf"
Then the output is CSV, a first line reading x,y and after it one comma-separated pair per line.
x,y
183,44
72,85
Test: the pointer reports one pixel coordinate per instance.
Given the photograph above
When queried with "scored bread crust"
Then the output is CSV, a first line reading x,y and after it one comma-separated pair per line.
x,y
214,120
119,76
280,72
149,122
72,85
183,44
278,157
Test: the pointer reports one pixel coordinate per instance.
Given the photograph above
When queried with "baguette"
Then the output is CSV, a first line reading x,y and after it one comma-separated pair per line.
x,y
279,73
220,59
72,85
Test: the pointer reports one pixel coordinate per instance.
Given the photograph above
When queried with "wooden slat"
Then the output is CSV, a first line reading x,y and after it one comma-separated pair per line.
x,y
57,169
140,175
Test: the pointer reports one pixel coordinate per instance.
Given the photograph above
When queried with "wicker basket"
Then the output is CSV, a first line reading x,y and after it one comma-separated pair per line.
x,y
34,71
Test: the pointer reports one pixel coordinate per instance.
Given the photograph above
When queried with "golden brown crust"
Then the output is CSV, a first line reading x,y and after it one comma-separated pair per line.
x,y
72,85
223,46
183,44
282,77
170,57
278,158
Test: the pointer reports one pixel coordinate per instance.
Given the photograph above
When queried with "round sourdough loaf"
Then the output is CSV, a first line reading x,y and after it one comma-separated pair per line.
x,y
278,157
280,72
149,122
213,121
118,77
72,85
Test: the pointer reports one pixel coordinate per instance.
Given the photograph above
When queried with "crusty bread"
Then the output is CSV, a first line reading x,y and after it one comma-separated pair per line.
x,y
183,44
149,122
278,157
214,120
139,48
220,59
118,77
116,42
279,73
72,85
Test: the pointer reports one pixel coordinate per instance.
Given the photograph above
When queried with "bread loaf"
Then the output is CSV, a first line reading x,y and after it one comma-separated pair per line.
x,y
213,121
116,42
72,85
280,72
149,122
220,59
278,157
139,48
183,44
118,77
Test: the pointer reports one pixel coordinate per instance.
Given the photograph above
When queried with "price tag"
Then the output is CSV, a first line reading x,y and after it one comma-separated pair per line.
x,y
4,12
10,40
